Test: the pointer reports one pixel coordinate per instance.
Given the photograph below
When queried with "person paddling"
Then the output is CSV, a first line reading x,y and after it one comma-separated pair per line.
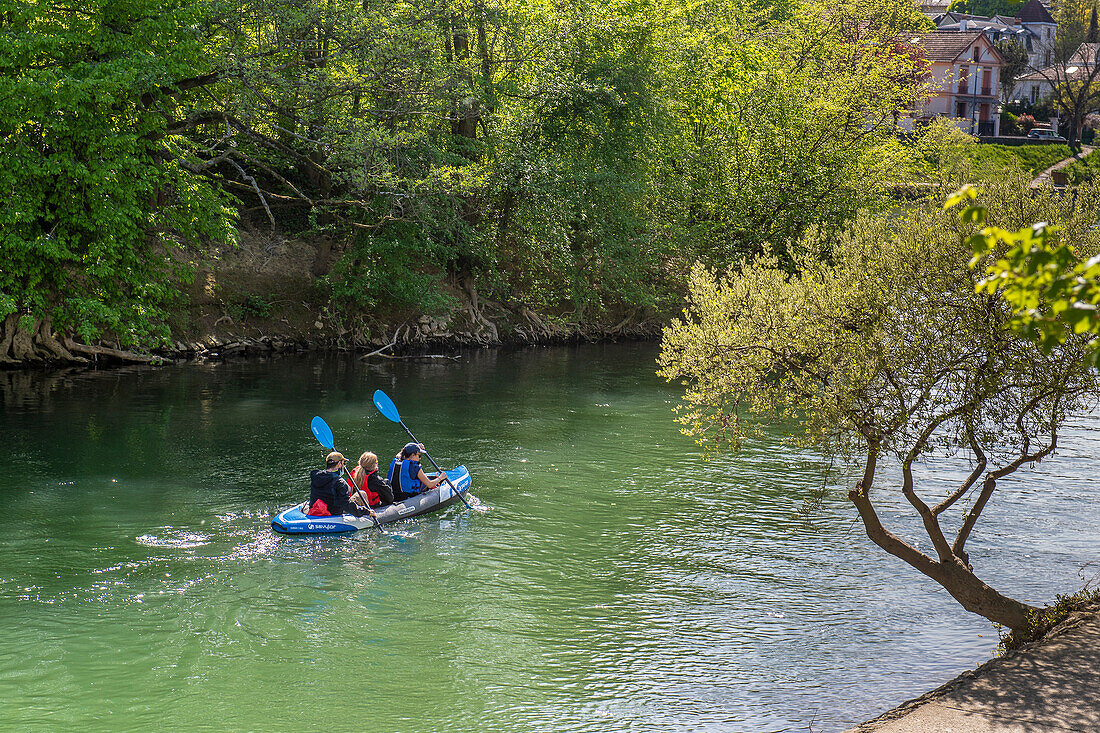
x,y
406,477
330,495
366,479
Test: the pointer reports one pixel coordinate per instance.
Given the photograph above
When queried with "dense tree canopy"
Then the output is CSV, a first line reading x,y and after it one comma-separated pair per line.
x,y
565,158
97,197
987,8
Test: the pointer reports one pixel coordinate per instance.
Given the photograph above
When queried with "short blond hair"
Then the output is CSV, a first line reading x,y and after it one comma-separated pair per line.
x,y
368,461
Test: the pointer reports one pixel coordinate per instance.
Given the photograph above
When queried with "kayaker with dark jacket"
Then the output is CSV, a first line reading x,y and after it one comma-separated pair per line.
x,y
330,495
368,481
407,477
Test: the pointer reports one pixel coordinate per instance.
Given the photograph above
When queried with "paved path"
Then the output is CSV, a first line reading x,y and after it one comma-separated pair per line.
x,y
1044,177
1050,686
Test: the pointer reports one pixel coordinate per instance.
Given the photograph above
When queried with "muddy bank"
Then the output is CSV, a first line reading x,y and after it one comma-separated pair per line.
x,y
271,295
426,337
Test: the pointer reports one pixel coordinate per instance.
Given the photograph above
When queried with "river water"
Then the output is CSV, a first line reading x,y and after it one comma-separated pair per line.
x,y
608,578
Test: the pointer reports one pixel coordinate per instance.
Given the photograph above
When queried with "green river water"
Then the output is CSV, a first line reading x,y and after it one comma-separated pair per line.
x,y
608,579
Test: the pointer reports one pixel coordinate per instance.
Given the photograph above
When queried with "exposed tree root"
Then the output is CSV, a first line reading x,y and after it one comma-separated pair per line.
x,y
474,310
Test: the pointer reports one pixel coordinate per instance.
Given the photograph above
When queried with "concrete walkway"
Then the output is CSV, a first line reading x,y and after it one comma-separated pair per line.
x,y
1044,177
1050,685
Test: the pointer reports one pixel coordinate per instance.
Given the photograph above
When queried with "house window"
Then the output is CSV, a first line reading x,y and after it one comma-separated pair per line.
x,y
1034,93
977,54
960,110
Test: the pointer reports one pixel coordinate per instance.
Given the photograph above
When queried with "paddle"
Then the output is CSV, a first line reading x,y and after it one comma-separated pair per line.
x,y
389,410
323,433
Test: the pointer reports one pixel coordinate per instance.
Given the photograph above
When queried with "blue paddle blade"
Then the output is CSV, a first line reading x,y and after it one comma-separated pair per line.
x,y
385,406
322,432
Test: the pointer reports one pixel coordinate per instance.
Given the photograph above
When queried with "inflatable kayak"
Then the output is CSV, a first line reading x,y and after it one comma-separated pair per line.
x,y
296,521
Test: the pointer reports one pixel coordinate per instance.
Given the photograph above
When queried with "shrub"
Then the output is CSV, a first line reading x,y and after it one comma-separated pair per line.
x,y
1009,124
1086,170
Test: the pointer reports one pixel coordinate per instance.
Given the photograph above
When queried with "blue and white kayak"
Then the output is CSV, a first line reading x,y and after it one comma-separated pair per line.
x,y
296,521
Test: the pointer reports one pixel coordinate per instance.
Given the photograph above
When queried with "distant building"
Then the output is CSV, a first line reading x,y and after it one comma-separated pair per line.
x,y
1038,85
1000,28
1033,27
964,67
932,9
1035,17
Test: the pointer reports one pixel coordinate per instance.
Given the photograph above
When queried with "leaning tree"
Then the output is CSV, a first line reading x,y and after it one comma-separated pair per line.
x,y
883,350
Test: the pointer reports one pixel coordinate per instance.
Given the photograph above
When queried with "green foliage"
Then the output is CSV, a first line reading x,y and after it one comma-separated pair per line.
x,y
783,125
941,152
1043,620
98,211
987,8
1016,64
1085,170
256,306
1054,293
947,157
570,158
847,346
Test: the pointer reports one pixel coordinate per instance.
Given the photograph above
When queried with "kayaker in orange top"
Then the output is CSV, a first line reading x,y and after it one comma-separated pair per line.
x,y
366,478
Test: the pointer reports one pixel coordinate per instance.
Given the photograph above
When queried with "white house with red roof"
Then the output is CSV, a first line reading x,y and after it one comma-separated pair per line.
x,y
964,70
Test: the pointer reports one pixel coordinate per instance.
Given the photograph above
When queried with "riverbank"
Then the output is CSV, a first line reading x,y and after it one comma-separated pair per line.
x,y
422,337
268,296
1048,685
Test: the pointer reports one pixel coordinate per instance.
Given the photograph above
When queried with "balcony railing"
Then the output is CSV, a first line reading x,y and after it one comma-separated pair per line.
x,y
964,88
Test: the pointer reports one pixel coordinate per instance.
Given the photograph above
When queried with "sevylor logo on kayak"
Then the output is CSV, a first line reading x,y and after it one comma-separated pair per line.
x,y
321,526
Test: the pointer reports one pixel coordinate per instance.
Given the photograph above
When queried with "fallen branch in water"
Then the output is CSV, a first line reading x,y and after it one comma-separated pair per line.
x,y
419,356
111,353
378,352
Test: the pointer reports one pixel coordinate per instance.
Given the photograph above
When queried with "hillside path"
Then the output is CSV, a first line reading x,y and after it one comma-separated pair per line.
x,y
1044,177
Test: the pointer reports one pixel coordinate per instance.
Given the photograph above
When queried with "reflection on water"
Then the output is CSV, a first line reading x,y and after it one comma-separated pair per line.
x,y
609,578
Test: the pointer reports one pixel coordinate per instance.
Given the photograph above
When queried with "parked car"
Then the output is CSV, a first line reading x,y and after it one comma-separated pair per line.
x,y
1043,133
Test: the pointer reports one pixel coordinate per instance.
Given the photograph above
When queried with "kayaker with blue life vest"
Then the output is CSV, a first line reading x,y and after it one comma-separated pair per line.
x,y
406,476
367,480
330,495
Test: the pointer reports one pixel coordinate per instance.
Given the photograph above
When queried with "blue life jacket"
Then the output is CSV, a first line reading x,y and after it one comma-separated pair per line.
x,y
403,476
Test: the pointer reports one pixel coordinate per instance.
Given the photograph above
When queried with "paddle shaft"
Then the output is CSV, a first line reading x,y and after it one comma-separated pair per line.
x,y
436,466
323,433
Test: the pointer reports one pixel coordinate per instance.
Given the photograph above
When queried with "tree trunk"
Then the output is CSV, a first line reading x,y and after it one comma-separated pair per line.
x,y
22,346
465,107
952,573
53,349
977,597
7,334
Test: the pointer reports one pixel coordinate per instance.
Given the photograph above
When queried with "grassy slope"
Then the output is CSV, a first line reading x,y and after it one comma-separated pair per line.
x,y
1085,170
1034,158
